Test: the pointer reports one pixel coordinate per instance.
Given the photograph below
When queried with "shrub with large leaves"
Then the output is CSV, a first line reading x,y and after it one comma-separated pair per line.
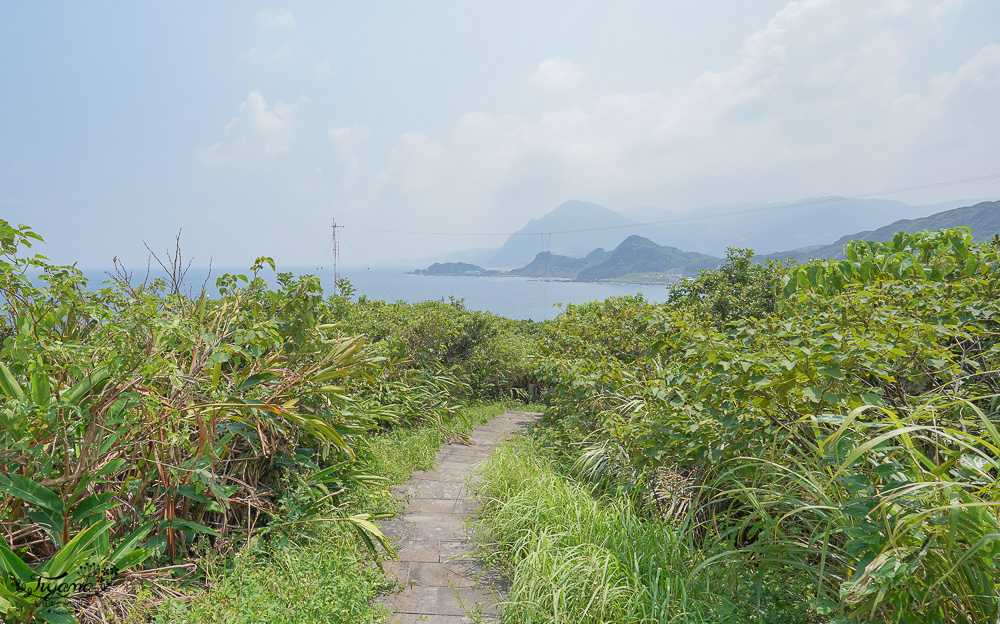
x,y
749,396
135,418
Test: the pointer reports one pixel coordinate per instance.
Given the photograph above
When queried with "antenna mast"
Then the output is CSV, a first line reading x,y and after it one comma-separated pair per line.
x,y
336,257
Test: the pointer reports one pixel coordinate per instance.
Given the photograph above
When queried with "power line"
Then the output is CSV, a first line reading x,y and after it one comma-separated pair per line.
x,y
326,253
813,202
368,267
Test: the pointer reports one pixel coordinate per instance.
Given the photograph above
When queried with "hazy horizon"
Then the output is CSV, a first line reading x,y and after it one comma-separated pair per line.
x,y
405,263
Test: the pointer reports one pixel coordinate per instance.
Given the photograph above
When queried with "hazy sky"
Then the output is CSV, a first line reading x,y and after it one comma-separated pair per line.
x,y
250,125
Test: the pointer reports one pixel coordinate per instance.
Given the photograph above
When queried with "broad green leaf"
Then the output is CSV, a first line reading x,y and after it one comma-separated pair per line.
x,y
255,380
189,525
91,382
40,389
12,565
75,550
812,393
31,492
129,544
9,384
831,419
831,370
94,505
56,614
133,558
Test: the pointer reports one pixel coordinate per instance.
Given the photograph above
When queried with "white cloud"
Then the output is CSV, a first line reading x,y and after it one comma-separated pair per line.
x,y
980,73
254,137
820,100
322,68
277,20
278,55
556,73
345,140
947,7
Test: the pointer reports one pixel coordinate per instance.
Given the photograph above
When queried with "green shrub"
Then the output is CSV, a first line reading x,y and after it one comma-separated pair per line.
x,y
738,387
139,422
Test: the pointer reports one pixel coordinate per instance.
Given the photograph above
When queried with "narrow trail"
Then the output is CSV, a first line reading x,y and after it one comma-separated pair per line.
x,y
442,582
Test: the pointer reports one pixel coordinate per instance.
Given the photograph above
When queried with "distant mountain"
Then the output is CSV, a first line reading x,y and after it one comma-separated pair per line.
x,y
576,227
641,259
531,239
983,219
548,264
638,256
455,268
581,226
767,228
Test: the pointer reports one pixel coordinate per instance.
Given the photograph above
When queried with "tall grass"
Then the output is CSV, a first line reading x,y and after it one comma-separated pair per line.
x,y
296,577
571,557
894,519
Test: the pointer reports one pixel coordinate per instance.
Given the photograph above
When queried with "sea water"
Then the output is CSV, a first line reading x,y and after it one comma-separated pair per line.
x,y
512,297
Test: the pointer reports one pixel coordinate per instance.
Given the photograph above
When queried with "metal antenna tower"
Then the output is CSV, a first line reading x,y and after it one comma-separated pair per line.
x,y
336,257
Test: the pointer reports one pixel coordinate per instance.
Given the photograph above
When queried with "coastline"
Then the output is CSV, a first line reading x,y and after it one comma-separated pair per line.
x,y
620,281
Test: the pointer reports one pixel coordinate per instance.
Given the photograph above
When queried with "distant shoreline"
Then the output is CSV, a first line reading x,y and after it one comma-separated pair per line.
x,y
627,282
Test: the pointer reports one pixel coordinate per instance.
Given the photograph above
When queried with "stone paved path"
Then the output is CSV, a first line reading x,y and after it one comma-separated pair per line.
x,y
442,582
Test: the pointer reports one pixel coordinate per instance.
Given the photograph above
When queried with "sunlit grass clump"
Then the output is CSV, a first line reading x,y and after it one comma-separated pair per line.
x,y
571,557
319,577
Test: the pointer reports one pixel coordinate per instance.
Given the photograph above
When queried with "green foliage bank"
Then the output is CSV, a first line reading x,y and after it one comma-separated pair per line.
x,y
141,425
833,425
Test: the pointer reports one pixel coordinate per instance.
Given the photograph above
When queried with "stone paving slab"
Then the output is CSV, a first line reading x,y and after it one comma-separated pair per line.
x,y
431,489
464,451
456,550
457,506
441,580
416,618
421,551
455,467
437,517
435,476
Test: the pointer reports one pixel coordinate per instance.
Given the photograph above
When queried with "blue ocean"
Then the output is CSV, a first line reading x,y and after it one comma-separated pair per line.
x,y
513,297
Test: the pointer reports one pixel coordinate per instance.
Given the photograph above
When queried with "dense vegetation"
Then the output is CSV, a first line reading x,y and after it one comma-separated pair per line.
x,y
814,443
142,425
822,439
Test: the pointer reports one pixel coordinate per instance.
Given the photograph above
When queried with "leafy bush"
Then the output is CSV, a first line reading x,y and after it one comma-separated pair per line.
x,y
486,354
724,405
138,420
738,289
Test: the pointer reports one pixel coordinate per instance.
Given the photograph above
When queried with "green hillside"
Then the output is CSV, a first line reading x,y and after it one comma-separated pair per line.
x,y
635,259
548,264
638,258
455,268
983,219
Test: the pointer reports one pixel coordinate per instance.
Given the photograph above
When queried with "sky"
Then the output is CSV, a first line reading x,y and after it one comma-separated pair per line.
x,y
249,126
